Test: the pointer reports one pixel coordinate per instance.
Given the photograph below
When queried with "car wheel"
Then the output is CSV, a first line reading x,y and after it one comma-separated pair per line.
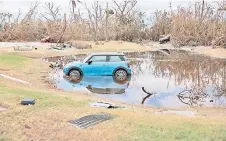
x,y
122,82
75,75
120,75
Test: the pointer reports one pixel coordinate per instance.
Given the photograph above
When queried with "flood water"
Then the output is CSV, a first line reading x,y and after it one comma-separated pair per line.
x,y
177,80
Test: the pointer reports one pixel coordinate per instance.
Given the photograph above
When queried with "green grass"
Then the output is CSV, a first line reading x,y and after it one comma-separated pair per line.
x,y
50,111
181,131
12,61
144,128
44,100
3,138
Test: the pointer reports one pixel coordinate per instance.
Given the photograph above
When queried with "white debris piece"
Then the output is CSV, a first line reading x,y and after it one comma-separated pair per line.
x,y
14,79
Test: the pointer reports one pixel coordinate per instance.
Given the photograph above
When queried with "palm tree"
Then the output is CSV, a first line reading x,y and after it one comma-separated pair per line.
x,y
74,3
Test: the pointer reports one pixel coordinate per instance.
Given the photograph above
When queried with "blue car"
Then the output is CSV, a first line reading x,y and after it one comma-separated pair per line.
x,y
100,64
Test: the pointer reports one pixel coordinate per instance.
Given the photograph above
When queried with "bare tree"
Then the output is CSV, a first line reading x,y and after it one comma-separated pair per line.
x,y
223,8
74,5
123,10
130,20
95,17
31,12
108,12
5,20
64,28
53,12
106,24
95,7
16,20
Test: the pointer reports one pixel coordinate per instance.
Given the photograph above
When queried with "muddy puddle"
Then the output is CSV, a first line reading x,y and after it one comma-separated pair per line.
x,y
175,80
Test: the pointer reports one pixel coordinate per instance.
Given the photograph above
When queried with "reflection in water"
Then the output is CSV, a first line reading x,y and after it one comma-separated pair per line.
x,y
96,84
203,77
179,80
192,98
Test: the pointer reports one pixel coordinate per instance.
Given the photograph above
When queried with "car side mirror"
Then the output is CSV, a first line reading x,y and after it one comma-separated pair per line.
x,y
90,62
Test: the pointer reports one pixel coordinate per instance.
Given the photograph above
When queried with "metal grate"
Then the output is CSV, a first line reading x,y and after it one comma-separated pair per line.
x,y
91,120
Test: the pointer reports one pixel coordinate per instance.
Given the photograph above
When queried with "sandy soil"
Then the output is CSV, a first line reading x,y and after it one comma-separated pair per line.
x,y
43,51
116,46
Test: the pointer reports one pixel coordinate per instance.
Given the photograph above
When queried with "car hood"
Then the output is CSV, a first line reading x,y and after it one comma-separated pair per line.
x,y
73,63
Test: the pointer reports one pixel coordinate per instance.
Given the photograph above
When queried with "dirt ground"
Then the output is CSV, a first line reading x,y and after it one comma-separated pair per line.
x,y
115,46
48,118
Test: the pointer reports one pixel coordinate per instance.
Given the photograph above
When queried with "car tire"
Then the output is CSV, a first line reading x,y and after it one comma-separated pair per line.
x,y
120,75
75,75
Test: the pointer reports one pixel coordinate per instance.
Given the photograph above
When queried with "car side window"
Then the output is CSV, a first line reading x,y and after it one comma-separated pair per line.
x,y
115,59
98,59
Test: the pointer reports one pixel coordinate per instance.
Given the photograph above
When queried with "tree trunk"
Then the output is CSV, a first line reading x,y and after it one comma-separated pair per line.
x,y
96,20
106,25
64,28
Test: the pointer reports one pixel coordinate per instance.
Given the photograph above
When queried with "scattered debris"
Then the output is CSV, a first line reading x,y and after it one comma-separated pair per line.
x,y
55,65
82,46
164,39
192,43
184,113
64,59
105,105
59,63
165,51
4,69
28,101
49,39
99,43
192,97
27,126
14,79
23,48
63,46
2,108
91,120
46,39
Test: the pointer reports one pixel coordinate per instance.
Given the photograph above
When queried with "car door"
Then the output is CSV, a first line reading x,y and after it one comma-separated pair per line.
x,y
96,67
113,61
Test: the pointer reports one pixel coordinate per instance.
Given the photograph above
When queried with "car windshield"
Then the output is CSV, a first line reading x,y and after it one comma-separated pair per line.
x,y
86,59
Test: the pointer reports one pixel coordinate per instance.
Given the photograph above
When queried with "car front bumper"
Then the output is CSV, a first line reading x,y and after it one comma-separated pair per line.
x,y
65,71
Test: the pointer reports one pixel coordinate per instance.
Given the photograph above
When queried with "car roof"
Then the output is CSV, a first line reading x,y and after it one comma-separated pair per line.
x,y
107,53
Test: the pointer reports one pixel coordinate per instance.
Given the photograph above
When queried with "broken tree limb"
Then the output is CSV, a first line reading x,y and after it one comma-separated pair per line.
x,y
64,28
146,97
164,39
165,51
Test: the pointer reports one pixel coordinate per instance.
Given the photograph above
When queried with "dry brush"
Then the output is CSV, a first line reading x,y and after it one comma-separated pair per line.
x,y
200,23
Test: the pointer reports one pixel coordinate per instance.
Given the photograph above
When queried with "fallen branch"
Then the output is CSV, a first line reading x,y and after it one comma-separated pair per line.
x,y
146,97
14,79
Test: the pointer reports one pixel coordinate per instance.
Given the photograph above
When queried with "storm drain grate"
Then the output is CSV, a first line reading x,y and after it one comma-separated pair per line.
x,y
91,120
